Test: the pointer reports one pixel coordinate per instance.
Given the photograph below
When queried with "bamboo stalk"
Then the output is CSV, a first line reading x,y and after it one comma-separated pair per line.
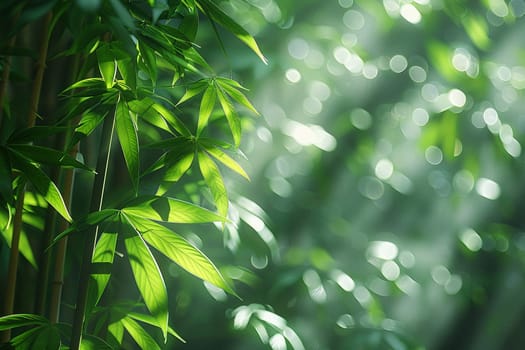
x,y
17,221
45,254
90,237
61,248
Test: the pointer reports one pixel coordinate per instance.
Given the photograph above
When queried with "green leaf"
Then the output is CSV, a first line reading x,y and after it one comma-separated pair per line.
x,y
24,246
150,62
89,83
90,220
148,278
90,342
44,186
190,23
214,12
126,66
206,107
193,90
231,87
231,116
170,210
225,159
106,65
35,133
172,119
178,250
89,122
21,320
116,332
139,335
48,338
25,340
177,165
129,143
143,108
50,156
214,181
101,267
151,321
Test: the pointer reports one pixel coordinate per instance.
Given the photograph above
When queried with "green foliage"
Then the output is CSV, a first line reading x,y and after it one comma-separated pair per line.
x,y
123,62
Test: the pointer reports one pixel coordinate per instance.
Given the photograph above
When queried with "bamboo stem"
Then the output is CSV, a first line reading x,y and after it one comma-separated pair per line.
x,y
90,237
45,255
17,222
60,256
61,246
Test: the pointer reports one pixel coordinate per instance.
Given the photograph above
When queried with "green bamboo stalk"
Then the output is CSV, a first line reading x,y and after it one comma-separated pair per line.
x,y
67,176
17,221
90,237
61,247
45,254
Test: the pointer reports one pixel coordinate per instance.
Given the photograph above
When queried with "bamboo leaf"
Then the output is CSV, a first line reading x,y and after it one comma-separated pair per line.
x,y
90,342
90,220
172,119
21,320
148,278
25,340
170,210
48,338
92,83
44,155
102,260
178,166
128,138
115,332
225,159
44,186
214,12
139,335
106,65
150,62
126,66
193,90
235,94
144,110
35,133
214,181
89,122
23,245
178,250
151,321
206,107
231,116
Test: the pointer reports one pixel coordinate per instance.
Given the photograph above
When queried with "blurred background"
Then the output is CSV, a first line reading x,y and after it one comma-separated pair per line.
x,y
386,196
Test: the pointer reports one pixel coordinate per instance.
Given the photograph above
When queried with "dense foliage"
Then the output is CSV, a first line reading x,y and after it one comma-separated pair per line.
x,y
113,120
